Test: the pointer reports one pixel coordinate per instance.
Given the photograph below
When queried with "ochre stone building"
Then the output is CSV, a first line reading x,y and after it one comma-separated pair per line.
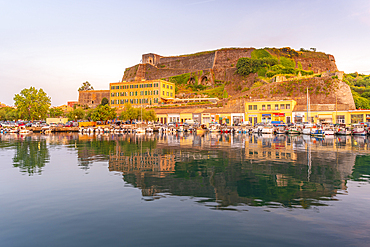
x,y
92,98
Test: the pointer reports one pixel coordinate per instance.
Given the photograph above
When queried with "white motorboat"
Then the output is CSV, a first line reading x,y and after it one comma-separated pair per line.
x,y
281,129
294,130
328,130
359,129
215,128
268,129
307,129
23,130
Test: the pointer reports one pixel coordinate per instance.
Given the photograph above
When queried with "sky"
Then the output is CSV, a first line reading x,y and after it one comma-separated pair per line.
x,y
58,45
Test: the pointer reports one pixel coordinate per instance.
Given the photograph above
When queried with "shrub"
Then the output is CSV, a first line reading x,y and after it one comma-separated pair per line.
x,y
287,62
262,72
260,53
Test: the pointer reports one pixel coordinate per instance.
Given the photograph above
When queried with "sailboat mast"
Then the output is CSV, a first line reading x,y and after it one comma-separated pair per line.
x,y
308,105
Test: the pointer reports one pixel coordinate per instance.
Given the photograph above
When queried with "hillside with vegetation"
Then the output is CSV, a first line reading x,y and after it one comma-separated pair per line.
x,y
360,87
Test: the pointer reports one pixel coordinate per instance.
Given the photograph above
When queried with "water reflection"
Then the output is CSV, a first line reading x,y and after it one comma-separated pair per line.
x,y
31,155
223,171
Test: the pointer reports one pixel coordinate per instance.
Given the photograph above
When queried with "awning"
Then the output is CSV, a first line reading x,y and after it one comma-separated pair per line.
x,y
266,115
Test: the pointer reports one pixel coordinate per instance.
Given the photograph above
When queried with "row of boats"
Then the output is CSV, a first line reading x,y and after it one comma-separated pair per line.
x,y
314,130
306,129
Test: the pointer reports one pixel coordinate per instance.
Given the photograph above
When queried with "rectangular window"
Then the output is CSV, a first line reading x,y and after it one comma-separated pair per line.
x,y
122,101
268,107
276,107
171,87
250,107
112,87
171,94
255,107
163,92
282,106
112,94
146,92
167,86
112,102
263,107
341,119
167,93
136,93
287,106
357,118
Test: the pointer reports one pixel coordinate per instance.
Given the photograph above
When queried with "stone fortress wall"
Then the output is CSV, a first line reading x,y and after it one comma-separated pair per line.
x,y
219,66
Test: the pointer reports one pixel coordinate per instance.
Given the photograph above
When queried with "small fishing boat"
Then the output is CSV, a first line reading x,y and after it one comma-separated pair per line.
x,y
23,130
214,128
268,129
307,128
342,130
328,130
280,129
201,129
294,130
318,132
359,129
140,130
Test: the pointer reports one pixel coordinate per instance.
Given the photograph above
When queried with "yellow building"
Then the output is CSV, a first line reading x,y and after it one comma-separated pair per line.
x,y
65,108
267,111
141,93
317,115
186,114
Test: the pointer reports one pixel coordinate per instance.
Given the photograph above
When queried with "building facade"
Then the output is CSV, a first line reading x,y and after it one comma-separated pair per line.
x,y
267,111
92,98
141,93
333,117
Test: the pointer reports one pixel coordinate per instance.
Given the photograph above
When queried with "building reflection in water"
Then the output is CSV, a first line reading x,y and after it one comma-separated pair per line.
x,y
223,171
292,171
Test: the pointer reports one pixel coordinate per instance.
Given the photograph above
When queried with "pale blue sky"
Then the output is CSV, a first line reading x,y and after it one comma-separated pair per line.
x,y
57,45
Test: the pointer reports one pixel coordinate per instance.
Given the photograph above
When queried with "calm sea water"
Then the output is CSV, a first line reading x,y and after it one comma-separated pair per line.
x,y
184,190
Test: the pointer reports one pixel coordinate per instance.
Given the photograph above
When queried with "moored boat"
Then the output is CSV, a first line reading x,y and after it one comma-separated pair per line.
x,y
294,130
359,129
268,129
318,132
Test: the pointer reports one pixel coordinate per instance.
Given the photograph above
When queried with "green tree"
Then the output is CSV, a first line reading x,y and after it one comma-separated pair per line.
x,y
104,101
360,102
103,113
129,113
76,114
55,112
32,103
86,86
149,115
88,113
9,113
